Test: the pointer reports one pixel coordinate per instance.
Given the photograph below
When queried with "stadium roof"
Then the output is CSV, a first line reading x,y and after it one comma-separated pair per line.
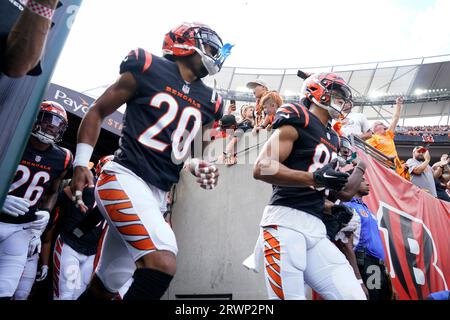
x,y
424,82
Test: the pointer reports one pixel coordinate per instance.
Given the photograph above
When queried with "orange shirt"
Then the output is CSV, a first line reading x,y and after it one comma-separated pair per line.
x,y
384,143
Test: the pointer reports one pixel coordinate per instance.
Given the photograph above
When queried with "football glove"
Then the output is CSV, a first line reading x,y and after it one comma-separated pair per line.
x,y
329,178
35,245
41,275
15,206
41,221
342,213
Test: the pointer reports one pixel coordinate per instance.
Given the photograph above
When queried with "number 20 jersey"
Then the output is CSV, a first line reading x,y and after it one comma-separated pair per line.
x,y
315,147
162,119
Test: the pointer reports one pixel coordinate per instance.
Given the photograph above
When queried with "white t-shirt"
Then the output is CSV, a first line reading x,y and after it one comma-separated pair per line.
x,y
355,123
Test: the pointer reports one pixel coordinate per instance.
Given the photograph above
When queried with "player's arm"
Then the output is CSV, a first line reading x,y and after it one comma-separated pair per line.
x,y
396,115
51,194
269,167
115,96
44,256
354,181
26,41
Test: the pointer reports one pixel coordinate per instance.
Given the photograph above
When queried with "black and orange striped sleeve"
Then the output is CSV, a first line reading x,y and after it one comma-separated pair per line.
x,y
68,159
138,61
292,114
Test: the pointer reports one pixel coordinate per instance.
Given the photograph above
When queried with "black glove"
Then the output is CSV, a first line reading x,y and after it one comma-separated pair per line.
x,y
339,218
342,213
328,177
331,224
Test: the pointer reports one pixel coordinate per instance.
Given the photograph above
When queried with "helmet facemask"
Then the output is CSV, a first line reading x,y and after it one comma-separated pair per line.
x,y
336,99
214,59
49,127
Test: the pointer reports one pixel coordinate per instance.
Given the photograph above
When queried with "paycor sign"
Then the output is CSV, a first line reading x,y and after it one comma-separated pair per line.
x,y
78,104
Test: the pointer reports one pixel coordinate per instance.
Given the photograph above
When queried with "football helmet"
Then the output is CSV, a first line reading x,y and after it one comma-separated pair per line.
x,y
103,160
330,92
51,123
189,38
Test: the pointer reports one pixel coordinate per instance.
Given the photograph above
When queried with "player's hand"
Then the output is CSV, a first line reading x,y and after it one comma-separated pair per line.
x,y
207,174
15,206
42,274
328,177
41,221
81,178
35,245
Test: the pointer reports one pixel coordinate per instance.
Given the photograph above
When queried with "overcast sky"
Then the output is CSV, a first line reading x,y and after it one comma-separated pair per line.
x,y
266,33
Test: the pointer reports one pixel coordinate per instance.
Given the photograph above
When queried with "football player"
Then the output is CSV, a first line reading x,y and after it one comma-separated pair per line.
x,y
298,160
167,105
32,196
76,245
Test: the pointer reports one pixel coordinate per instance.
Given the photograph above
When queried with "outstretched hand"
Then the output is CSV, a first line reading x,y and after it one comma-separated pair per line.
x,y
82,177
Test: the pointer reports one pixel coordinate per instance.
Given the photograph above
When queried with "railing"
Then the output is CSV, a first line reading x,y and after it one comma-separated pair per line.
x,y
357,101
374,153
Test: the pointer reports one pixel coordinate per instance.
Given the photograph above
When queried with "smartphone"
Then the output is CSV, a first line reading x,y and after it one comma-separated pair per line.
x,y
233,102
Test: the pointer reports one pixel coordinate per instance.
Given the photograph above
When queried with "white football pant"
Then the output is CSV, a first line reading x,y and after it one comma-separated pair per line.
x,y
72,271
14,242
296,250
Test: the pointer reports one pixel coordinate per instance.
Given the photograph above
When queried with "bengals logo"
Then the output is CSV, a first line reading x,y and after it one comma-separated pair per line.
x,y
411,254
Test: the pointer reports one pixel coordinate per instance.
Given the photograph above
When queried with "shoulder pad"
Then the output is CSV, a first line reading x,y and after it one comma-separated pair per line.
x,y
137,60
291,114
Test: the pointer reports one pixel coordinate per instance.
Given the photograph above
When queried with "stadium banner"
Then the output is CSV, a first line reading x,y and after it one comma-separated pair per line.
x,y
415,229
78,104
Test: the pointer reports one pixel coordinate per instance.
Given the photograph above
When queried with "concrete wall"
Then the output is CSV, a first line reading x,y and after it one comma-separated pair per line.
x,y
217,229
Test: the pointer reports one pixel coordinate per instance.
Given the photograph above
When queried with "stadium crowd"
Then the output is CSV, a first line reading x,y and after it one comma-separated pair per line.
x,y
437,130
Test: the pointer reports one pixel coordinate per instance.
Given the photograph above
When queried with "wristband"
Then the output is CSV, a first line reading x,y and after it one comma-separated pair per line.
x,y
83,155
40,9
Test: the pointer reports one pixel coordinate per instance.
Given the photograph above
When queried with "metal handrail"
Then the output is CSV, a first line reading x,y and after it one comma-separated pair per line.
x,y
376,154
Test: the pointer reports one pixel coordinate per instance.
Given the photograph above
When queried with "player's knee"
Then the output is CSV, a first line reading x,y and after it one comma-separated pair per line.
x,y
148,284
164,261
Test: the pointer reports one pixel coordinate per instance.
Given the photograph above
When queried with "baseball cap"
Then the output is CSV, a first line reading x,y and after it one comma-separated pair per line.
x,y
417,148
255,83
227,120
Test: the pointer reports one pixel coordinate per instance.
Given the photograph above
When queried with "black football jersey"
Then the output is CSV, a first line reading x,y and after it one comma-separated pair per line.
x,y
163,119
36,172
70,217
315,147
